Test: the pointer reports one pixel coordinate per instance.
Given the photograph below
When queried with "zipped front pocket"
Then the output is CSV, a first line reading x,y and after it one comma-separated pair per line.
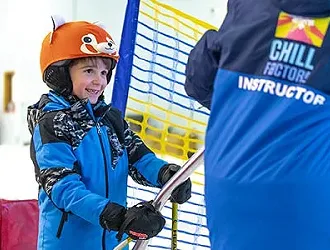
x,y
64,218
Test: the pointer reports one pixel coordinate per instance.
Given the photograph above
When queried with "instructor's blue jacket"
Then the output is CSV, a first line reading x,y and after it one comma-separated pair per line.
x,y
265,76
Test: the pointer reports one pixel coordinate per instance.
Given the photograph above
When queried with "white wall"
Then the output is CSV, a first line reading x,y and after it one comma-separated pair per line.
x,y
23,24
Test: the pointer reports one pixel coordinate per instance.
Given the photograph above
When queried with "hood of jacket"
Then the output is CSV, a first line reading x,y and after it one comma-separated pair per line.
x,y
312,8
36,111
79,109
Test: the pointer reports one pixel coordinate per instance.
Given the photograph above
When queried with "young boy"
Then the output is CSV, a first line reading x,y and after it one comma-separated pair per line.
x,y
265,76
83,151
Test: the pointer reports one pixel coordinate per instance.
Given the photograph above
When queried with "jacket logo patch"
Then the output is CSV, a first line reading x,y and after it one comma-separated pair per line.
x,y
307,30
293,49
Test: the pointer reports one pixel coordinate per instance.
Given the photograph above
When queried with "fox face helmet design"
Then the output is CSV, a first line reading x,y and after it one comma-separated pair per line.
x,y
72,40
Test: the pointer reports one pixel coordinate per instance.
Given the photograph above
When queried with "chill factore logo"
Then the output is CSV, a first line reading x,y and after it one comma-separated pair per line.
x,y
306,30
293,48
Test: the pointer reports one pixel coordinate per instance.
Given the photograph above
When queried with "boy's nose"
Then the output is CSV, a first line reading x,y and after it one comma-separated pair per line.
x,y
97,79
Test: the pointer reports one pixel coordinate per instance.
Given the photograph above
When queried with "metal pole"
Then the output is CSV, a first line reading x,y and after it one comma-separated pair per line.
x,y
187,169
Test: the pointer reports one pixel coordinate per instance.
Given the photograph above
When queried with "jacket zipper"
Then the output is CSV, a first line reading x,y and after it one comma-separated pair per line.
x,y
64,219
106,177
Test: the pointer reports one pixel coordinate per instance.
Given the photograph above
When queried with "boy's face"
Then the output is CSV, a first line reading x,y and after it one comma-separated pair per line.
x,y
89,79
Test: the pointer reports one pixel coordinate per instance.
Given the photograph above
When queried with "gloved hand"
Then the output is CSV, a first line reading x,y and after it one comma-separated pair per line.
x,y
112,216
142,222
181,193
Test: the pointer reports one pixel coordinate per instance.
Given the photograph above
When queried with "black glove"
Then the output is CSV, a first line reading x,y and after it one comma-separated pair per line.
x,y
142,222
112,216
181,193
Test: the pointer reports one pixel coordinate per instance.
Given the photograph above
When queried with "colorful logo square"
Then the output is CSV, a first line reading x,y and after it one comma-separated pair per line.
x,y
307,30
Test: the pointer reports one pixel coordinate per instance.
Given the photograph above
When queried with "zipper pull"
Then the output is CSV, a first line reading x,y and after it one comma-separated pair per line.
x,y
98,128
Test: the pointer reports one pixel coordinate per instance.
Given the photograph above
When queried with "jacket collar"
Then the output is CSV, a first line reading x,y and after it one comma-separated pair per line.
x,y
96,111
310,8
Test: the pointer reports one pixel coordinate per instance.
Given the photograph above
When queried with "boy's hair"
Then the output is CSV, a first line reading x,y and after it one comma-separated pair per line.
x,y
108,62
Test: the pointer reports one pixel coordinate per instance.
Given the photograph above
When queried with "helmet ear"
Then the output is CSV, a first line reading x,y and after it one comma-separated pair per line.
x,y
101,25
58,79
57,22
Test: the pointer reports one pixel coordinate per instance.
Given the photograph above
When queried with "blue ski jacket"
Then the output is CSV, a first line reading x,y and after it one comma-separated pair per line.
x,y
265,76
83,156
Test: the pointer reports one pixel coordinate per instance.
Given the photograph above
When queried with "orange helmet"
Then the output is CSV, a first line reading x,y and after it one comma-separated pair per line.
x,y
69,41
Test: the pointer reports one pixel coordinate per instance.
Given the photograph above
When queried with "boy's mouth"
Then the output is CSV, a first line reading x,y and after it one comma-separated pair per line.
x,y
93,91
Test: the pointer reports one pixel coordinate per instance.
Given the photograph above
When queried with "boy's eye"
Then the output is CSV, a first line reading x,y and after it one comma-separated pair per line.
x,y
89,70
105,72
